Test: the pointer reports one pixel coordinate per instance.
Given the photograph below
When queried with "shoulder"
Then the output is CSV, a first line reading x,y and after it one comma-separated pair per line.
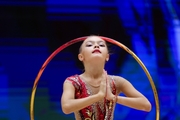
x,y
119,81
117,78
74,80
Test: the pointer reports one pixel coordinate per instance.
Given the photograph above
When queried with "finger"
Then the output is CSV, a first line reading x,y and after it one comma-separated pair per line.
x,y
106,81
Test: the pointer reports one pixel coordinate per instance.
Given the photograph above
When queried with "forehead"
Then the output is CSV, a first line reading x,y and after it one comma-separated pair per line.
x,y
93,39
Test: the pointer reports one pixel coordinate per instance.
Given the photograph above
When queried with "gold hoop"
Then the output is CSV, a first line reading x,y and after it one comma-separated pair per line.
x,y
81,39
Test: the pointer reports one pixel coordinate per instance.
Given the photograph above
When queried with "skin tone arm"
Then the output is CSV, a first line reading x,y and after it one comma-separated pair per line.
x,y
70,104
134,99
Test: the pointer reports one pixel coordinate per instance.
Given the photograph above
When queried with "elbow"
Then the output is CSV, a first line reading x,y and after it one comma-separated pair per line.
x,y
147,107
66,109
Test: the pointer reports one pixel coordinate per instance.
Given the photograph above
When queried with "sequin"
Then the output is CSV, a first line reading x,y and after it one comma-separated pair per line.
x,y
101,110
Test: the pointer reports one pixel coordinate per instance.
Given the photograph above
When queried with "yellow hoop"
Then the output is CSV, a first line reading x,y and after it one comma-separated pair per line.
x,y
81,39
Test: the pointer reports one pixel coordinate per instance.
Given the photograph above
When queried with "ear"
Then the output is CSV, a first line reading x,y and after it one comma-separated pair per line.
x,y
80,57
107,57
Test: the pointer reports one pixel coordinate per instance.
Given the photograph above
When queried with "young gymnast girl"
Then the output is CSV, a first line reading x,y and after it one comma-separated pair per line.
x,y
93,94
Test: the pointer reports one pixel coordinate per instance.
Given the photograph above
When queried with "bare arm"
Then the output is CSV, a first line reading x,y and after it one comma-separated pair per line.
x,y
134,98
70,104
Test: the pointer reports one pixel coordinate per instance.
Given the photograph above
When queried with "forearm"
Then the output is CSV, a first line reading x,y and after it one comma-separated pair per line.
x,y
73,105
139,103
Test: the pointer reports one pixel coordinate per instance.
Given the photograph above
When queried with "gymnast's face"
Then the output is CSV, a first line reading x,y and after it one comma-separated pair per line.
x,y
93,49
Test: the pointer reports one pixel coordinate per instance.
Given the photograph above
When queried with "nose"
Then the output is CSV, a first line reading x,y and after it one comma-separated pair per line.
x,y
96,46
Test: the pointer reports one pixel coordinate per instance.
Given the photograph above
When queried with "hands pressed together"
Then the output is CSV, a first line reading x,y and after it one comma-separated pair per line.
x,y
105,88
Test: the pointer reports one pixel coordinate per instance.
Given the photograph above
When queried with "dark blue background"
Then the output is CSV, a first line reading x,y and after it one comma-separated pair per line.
x,y
30,30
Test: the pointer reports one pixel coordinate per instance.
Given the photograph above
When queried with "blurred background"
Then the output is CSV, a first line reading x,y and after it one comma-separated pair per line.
x,y
30,30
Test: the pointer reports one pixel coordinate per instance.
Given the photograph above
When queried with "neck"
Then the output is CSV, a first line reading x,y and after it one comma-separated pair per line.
x,y
93,77
93,72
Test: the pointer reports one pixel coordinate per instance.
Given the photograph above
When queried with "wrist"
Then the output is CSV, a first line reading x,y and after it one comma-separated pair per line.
x,y
100,95
113,101
114,98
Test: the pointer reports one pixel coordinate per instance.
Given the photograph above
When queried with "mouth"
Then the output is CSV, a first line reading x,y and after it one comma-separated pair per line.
x,y
96,51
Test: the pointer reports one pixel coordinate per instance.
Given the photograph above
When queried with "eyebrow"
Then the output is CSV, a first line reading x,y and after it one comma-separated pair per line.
x,y
94,41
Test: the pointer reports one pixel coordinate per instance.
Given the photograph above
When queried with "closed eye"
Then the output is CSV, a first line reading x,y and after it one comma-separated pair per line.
x,y
102,45
88,45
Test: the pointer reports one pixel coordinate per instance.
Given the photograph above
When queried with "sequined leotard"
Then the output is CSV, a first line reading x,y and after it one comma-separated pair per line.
x,y
101,110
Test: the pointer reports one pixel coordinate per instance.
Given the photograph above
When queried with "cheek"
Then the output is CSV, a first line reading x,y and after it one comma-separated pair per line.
x,y
86,51
106,54
85,54
106,51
